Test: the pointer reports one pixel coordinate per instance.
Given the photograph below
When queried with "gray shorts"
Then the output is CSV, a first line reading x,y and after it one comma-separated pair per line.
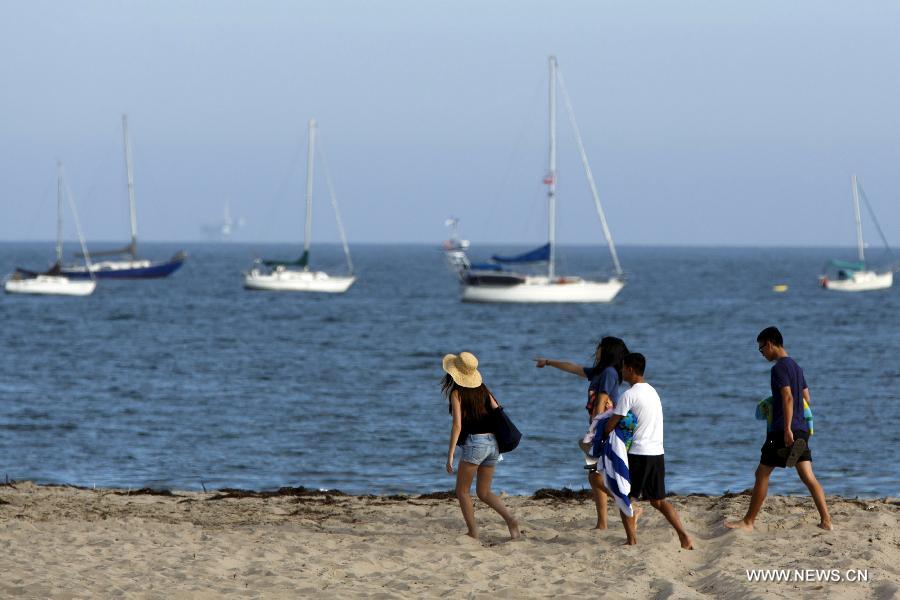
x,y
480,449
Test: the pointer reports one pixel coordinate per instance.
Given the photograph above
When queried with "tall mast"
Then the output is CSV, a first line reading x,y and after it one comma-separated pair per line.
x,y
859,237
129,170
59,212
310,156
551,192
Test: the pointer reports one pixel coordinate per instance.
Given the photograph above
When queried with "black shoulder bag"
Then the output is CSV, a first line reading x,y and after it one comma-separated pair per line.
x,y
507,434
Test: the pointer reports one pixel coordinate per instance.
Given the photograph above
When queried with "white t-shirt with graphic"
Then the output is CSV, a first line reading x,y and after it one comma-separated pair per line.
x,y
642,400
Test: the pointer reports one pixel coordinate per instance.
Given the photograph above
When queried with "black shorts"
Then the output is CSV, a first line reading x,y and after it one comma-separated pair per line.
x,y
648,476
769,455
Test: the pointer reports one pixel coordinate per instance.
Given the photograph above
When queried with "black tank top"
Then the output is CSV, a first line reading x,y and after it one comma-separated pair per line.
x,y
485,424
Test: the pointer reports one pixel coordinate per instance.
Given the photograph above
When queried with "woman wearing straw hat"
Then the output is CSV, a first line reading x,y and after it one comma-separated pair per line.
x,y
604,378
474,425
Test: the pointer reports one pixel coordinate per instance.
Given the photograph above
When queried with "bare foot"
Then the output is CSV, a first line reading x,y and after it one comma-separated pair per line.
x,y
630,543
600,525
826,525
638,511
686,542
742,525
514,533
474,536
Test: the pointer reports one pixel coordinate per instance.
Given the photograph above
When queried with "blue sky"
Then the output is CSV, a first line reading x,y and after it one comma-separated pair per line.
x,y
706,122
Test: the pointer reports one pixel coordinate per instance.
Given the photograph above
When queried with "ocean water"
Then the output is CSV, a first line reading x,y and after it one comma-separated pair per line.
x,y
192,381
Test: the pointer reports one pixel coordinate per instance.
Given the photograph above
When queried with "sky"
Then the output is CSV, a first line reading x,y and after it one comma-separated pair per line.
x,y
706,122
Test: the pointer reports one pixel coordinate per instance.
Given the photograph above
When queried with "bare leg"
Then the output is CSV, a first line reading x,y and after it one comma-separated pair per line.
x,y
671,515
486,495
630,524
464,475
760,489
804,470
600,499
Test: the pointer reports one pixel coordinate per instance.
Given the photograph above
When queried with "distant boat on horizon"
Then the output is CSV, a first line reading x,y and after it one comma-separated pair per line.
x,y
133,267
224,229
53,282
295,275
846,276
493,282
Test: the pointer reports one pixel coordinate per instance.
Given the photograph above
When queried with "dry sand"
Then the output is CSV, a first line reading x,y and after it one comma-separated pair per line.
x,y
65,542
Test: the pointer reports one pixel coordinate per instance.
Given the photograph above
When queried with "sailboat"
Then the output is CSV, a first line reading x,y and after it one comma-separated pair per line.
x,y
844,276
128,266
295,275
52,282
494,282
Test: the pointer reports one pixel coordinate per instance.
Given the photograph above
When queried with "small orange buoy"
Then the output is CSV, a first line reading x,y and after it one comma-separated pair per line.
x,y
781,287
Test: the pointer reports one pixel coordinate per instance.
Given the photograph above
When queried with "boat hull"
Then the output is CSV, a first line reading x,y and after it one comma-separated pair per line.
x,y
861,281
297,281
49,285
127,269
541,290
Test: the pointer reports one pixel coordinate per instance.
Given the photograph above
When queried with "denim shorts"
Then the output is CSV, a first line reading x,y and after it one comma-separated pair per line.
x,y
481,449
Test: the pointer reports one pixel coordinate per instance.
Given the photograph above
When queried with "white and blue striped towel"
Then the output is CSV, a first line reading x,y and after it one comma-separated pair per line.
x,y
612,456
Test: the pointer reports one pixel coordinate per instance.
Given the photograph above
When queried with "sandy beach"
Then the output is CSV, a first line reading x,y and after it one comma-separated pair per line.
x,y
67,542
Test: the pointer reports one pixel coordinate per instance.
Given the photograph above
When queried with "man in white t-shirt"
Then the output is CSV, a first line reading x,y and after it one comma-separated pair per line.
x,y
646,460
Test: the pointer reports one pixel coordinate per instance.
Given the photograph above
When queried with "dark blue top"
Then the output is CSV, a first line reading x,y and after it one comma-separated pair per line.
x,y
787,373
604,381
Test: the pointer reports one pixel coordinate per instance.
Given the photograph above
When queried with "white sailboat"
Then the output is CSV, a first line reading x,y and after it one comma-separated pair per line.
x,y
295,275
844,276
52,282
492,282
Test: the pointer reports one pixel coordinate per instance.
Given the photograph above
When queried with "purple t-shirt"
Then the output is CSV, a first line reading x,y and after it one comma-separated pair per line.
x,y
787,373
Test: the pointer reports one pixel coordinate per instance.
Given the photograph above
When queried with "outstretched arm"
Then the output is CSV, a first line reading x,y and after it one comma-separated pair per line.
x,y
562,365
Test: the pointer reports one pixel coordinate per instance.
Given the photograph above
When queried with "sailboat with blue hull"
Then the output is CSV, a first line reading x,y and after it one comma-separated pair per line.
x,y
125,263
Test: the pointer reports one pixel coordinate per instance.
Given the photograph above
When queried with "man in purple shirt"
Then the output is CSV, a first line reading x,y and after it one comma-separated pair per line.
x,y
787,444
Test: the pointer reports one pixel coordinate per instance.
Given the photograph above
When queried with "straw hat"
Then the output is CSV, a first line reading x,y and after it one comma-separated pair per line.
x,y
463,369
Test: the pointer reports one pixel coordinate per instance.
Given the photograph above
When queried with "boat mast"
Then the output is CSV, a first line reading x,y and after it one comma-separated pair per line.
x,y
129,169
551,192
310,155
59,212
859,237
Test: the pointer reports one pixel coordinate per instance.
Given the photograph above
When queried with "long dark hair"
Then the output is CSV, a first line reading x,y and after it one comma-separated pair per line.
x,y
612,353
472,401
